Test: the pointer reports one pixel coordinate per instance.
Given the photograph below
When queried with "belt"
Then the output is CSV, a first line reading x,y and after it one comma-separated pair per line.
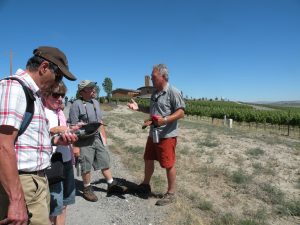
x,y
40,173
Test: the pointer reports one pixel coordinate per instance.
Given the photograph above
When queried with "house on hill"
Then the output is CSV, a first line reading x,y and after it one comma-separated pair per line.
x,y
142,92
122,92
146,90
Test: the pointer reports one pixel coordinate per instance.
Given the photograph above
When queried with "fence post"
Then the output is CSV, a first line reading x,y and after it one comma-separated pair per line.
x,y
230,121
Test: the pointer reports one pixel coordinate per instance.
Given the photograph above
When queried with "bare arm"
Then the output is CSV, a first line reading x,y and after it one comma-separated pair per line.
x,y
64,139
9,177
133,105
178,114
103,133
58,130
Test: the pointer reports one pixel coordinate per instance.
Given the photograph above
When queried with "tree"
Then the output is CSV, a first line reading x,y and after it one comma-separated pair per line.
x,y
97,91
107,86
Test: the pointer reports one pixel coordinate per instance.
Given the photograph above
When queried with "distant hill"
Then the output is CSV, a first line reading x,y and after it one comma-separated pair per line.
x,y
288,103
295,103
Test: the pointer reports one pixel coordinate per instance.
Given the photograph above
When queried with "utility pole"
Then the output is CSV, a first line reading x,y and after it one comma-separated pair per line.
x,y
10,62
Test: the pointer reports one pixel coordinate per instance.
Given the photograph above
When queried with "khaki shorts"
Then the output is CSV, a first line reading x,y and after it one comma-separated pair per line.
x,y
37,196
95,155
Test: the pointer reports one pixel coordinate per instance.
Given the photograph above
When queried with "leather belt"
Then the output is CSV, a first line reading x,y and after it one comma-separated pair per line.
x,y
40,173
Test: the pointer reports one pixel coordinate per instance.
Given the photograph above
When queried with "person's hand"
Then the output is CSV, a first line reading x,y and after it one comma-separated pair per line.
x,y
146,123
58,129
158,120
76,151
66,139
77,126
17,213
133,105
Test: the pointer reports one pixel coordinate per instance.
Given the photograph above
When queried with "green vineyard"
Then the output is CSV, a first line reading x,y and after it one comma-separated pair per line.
x,y
239,112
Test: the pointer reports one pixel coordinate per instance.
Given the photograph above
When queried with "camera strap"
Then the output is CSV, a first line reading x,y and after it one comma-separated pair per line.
x,y
58,121
95,110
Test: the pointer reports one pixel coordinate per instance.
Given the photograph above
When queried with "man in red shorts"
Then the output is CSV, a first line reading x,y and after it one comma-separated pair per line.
x,y
166,107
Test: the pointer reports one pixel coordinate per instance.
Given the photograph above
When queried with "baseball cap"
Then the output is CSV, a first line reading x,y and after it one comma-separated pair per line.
x,y
86,83
57,57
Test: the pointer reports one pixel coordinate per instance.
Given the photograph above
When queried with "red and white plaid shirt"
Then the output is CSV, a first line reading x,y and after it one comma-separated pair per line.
x,y
33,147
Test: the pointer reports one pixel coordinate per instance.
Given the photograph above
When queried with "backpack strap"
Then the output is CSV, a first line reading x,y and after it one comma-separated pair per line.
x,y
29,107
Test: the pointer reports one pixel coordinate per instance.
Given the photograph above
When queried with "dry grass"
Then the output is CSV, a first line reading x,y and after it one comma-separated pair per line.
x,y
223,176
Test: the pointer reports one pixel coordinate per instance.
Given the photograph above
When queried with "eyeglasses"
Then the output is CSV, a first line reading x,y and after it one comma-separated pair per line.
x,y
57,95
89,89
58,76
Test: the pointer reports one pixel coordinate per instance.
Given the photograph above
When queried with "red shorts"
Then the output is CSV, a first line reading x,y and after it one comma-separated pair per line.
x,y
163,152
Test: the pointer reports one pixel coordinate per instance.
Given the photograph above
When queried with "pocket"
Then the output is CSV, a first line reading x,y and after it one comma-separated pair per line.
x,y
36,184
40,186
30,187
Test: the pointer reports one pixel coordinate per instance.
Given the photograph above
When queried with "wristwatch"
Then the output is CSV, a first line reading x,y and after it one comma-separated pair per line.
x,y
52,139
166,119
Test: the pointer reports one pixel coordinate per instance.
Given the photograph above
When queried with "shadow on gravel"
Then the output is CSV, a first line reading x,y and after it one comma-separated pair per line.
x,y
79,187
131,189
128,187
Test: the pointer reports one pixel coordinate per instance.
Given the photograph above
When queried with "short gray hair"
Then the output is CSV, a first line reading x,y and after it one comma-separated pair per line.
x,y
163,70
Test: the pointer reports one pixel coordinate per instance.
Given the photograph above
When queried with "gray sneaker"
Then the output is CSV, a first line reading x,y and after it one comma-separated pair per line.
x,y
116,187
167,198
88,194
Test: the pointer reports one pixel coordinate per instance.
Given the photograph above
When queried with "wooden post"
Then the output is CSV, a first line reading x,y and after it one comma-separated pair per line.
x,y
289,123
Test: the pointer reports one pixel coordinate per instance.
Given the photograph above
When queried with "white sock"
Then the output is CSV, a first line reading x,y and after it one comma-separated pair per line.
x,y
86,185
110,181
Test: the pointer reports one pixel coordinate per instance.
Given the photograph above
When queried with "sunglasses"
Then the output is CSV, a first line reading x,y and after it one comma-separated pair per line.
x,y
57,95
56,71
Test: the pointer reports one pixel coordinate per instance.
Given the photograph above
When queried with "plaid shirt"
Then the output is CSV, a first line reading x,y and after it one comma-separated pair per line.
x,y
33,147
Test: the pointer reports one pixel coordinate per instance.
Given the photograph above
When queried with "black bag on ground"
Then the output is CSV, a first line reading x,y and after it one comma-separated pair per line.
x,y
56,172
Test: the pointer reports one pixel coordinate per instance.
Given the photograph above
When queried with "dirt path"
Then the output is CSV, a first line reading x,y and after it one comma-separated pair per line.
x,y
126,209
123,210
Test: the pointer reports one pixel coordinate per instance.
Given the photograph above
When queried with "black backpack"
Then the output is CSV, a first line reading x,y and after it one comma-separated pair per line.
x,y
30,104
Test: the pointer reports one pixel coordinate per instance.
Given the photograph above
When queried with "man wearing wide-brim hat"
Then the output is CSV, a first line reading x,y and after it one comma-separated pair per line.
x,y
93,146
24,191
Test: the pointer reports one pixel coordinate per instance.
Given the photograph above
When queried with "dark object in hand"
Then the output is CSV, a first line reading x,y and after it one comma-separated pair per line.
x,y
88,130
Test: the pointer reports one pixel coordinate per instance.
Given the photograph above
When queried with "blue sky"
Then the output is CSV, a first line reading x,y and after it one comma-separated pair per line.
x,y
246,50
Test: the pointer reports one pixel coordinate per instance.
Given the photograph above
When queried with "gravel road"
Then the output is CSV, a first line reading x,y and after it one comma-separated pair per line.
x,y
127,209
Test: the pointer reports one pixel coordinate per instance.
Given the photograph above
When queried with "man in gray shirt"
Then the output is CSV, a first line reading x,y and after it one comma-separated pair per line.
x,y
166,107
93,148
